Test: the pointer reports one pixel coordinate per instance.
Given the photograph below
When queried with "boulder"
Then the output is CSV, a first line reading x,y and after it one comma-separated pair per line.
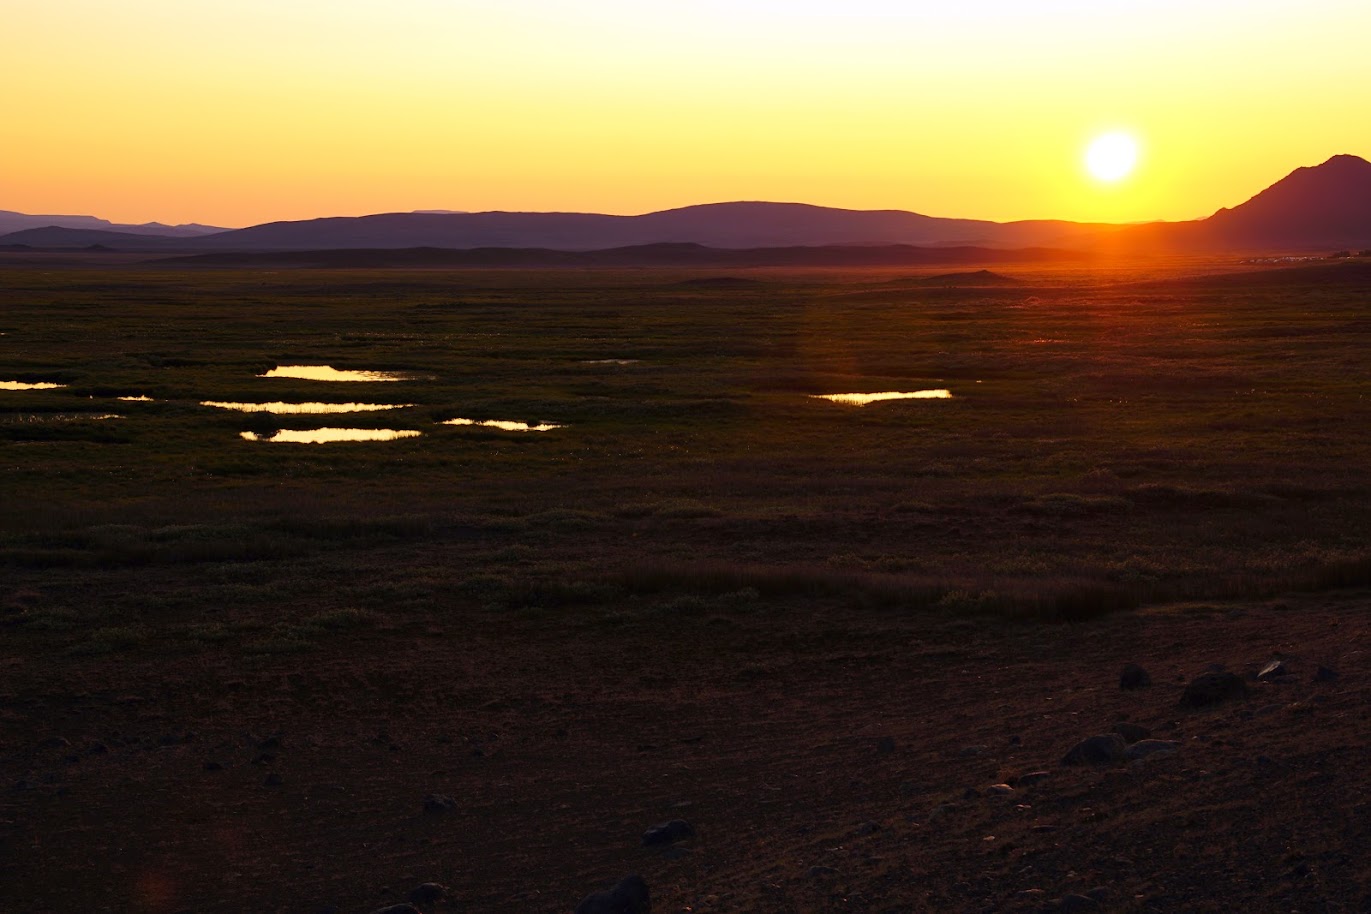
x,y
1134,677
630,896
1104,749
1213,688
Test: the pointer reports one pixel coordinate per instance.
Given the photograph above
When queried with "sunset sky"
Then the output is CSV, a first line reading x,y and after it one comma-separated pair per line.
x,y
258,110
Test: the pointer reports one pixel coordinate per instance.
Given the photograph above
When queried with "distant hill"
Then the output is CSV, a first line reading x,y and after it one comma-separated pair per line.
x,y
67,238
652,255
719,225
1325,207
18,222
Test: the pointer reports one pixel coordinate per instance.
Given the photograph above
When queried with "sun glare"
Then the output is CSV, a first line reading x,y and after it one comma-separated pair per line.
x,y
1111,156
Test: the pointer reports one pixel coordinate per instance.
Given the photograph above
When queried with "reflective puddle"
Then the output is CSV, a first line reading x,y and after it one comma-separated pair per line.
x,y
327,373
864,399
506,425
326,435
298,408
25,385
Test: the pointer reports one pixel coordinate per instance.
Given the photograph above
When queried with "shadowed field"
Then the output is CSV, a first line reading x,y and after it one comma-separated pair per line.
x,y
1118,438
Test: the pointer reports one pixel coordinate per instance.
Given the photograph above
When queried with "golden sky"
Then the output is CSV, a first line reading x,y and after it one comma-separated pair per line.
x,y
257,110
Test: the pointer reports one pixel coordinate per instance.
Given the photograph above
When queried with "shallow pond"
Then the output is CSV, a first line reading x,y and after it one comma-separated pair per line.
x,y
505,425
327,373
304,408
25,385
326,435
864,399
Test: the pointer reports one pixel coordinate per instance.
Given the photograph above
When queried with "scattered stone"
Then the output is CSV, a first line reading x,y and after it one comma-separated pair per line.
x,y
1096,750
1148,748
885,744
1134,677
822,872
1000,790
1031,778
630,896
1132,733
1324,674
1273,670
1213,688
668,833
439,803
427,894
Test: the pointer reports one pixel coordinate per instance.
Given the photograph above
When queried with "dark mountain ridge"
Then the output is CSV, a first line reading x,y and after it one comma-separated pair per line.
x,y
1326,206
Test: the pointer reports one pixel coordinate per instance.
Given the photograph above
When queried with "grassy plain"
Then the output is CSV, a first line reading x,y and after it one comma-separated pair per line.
x,y
1118,437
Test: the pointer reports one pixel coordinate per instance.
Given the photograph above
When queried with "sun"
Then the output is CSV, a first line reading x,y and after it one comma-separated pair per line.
x,y
1111,156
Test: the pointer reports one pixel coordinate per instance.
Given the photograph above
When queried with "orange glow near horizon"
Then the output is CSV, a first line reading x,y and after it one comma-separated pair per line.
x,y
236,114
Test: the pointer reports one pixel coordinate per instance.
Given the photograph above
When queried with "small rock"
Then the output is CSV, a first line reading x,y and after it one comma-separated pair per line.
x,y
999,790
1031,778
1148,748
1134,677
1096,750
427,894
1213,688
885,744
630,896
668,833
1324,674
822,872
438,803
1132,733
1272,670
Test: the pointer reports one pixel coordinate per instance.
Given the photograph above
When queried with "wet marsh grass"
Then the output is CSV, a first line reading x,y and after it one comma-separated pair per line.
x,y
1107,445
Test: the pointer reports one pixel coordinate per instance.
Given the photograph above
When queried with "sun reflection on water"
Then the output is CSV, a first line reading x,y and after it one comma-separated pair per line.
x,y
941,393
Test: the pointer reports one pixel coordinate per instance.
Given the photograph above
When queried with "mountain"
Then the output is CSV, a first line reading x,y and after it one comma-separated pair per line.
x,y
18,222
1323,206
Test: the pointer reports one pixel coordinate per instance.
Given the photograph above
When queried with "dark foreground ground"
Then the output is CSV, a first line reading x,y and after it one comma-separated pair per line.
x,y
231,672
